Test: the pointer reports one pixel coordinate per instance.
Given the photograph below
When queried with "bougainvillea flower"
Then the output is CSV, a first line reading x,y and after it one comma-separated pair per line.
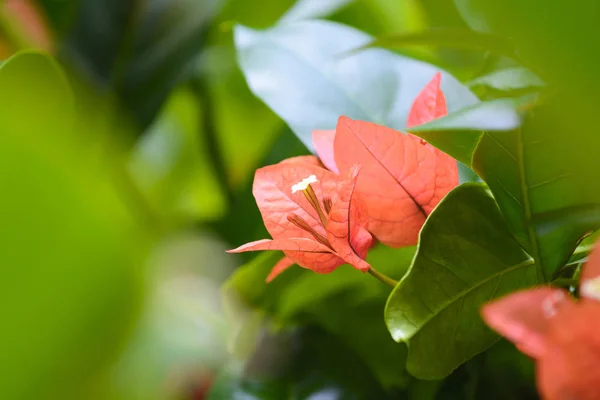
x,y
313,215
562,335
402,177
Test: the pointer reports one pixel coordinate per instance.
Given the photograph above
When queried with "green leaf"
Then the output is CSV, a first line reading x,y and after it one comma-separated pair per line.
x,y
69,286
509,79
472,14
346,303
466,257
378,17
139,50
458,133
311,9
233,109
542,183
259,13
449,37
302,71
171,165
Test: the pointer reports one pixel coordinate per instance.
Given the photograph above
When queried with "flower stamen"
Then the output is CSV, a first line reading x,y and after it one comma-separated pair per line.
x,y
311,196
327,204
302,224
304,184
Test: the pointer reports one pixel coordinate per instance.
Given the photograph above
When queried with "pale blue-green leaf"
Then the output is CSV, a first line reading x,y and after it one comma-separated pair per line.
x,y
509,79
458,133
303,72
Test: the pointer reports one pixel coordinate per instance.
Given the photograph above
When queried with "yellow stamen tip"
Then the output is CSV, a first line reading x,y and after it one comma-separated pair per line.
x,y
304,184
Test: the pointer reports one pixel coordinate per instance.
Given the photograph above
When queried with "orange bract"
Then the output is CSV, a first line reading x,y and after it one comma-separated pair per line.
x,y
330,219
402,177
560,334
294,222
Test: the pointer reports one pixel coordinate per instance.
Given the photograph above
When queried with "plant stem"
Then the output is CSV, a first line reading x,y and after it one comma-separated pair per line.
x,y
383,278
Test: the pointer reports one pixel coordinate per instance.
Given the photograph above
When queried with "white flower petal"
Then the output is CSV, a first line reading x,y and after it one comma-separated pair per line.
x,y
304,184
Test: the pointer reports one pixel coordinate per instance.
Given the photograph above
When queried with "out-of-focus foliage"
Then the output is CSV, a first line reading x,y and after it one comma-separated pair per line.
x,y
127,153
71,277
300,296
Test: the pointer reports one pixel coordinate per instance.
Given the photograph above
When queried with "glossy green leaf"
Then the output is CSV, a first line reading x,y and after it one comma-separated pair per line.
x,y
541,181
346,303
139,50
69,288
466,257
458,133
509,79
303,72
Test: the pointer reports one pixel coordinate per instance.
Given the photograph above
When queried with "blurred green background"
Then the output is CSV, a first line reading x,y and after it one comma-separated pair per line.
x,y
129,137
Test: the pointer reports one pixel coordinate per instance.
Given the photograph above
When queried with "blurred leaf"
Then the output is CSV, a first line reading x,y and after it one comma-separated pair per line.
x,y
466,256
171,163
310,9
309,364
565,57
556,153
70,286
59,13
436,15
509,79
542,184
472,15
379,17
301,70
257,14
505,373
458,133
181,337
140,50
346,303
243,222
450,37
234,108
